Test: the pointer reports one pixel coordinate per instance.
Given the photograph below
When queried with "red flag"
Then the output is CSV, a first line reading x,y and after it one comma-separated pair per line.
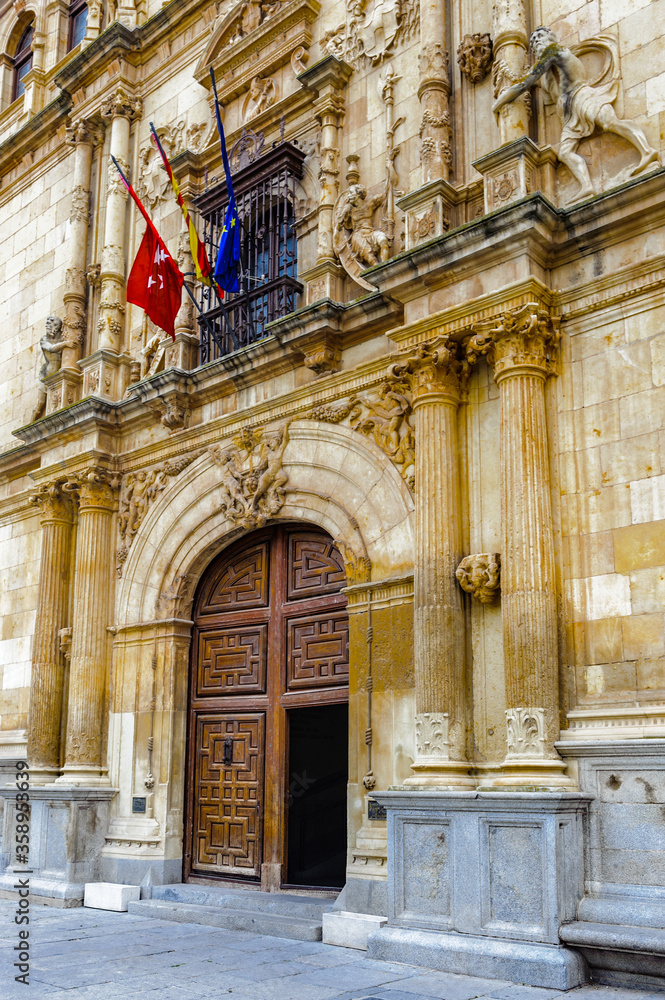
x,y
155,281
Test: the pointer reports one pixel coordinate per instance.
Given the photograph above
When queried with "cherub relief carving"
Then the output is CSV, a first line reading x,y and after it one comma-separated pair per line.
x,y
582,104
52,347
262,95
252,476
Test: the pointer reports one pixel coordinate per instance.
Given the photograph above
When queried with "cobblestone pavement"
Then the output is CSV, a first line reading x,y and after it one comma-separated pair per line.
x,y
96,955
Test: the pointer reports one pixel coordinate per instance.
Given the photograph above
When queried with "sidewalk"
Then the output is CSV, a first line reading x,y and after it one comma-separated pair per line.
x,y
96,955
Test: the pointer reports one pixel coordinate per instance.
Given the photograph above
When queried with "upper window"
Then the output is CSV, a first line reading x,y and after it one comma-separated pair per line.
x,y
22,61
78,22
266,198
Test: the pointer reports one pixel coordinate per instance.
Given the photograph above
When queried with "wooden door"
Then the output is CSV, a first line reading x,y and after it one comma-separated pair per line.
x,y
270,634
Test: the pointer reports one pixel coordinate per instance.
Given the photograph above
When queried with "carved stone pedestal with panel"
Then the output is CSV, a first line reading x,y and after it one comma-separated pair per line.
x,y
480,883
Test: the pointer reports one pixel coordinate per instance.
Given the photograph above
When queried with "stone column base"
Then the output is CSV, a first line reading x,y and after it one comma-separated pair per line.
x,y
546,965
479,883
515,171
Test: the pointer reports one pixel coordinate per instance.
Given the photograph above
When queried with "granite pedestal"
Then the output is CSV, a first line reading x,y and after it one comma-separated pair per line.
x,y
479,883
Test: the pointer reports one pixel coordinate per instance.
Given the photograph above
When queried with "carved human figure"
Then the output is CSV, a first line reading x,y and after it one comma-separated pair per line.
x,y
140,490
581,105
353,225
52,347
261,96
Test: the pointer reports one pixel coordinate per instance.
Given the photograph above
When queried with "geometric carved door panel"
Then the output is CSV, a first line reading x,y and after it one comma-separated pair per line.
x,y
228,782
270,636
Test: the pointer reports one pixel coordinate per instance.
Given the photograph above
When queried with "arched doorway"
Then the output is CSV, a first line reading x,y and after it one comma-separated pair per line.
x,y
268,722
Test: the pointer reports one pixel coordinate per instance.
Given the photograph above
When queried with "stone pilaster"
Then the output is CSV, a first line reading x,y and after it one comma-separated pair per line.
x,y
437,375
48,668
433,92
91,613
328,78
509,31
521,346
83,136
120,110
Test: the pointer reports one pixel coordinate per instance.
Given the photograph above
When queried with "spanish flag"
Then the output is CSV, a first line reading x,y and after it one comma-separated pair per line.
x,y
199,255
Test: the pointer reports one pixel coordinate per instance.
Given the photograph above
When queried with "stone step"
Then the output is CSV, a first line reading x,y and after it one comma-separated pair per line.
x,y
271,924
248,900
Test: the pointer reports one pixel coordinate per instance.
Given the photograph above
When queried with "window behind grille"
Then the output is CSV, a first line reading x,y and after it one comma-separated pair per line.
x,y
266,198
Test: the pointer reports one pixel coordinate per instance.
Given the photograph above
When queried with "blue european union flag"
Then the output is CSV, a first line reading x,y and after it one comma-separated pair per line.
x,y
228,256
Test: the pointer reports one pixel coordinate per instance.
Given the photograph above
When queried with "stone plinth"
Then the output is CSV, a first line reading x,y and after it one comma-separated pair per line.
x,y
480,883
110,896
514,171
67,830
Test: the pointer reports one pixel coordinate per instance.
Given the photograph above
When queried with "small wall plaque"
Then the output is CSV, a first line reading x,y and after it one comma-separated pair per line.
x,y
374,810
138,804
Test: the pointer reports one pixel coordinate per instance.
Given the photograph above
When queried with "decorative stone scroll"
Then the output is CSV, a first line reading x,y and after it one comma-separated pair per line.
x,y
252,476
385,417
479,574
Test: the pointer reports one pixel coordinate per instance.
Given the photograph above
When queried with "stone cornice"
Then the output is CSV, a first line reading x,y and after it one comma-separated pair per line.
x,y
27,139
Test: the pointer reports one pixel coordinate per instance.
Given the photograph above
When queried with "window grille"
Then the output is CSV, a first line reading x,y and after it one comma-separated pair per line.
x,y
264,184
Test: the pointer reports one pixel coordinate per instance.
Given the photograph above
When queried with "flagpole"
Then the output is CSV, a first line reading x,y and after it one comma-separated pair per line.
x,y
205,319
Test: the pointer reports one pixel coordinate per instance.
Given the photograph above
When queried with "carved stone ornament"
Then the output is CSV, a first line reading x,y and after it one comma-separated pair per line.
x,y
121,104
140,490
356,242
479,574
584,103
299,60
527,336
440,366
372,30
432,736
95,487
65,637
323,360
52,345
176,600
54,501
262,95
525,732
153,184
474,56
252,476
358,567
173,412
385,417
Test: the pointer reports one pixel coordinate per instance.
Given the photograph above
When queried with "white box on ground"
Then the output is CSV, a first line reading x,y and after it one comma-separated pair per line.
x,y
110,895
350,930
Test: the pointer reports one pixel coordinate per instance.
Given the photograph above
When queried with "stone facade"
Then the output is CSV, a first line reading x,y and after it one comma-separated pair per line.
x,y
468,397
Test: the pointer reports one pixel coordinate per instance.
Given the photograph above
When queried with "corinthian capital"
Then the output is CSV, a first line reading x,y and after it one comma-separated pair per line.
x,y
95,487
121,104
84,131
523,338
54,502
434,368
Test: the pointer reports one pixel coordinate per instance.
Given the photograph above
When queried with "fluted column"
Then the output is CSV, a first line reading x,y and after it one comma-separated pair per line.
x,y
521,347
83,135
509,32
91,613
433,92
436,377
120,110
47,676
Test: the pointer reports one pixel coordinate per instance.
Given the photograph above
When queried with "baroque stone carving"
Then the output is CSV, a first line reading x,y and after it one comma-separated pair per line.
x,y
140,490
372,30
176,600
299,59
80,202
582,103
65,637
114,181
323,360
122,104
54,501
474,56
439,366
356,242
435,125
527,336
153,184
252,476
52,345
173,412
432,735
358,567
525,732
262,95
385,417
478,575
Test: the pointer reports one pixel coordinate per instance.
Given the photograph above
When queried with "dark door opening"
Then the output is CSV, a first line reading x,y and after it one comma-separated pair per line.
x,y
318,769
